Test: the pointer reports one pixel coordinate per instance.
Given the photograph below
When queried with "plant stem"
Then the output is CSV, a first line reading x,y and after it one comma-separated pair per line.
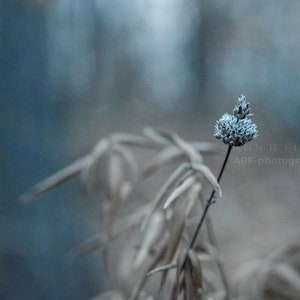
x,y
210,201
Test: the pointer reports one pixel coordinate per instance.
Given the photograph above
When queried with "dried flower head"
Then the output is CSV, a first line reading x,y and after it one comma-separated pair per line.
x,y
236,129
242,108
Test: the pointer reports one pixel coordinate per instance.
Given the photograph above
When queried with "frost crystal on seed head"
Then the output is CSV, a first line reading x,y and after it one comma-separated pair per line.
x,y
236,129
242,108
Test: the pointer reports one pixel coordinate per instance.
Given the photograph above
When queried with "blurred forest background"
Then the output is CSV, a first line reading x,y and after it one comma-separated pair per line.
x,y
75,71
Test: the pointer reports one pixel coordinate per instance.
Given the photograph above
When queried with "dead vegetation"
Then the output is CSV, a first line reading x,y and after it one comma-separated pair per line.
x,y
155,260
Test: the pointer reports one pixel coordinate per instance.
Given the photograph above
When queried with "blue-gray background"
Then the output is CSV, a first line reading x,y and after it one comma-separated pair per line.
x,y
74,71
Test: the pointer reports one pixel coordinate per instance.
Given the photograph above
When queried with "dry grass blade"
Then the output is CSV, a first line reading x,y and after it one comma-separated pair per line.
x,y
163,268
186,147
154,231
143,279
275,277
196,272
115,181
176,228
164,134
193,196
192,280
180,262
203,253
110,295
245,286
188,280
192,277
162,158
164,190
155,136
133,140
55,180
286,277
286,252
216,255
183,187
115,177
125,190
129,158
171,152
98,241
204,170
129,221
88,172
95,242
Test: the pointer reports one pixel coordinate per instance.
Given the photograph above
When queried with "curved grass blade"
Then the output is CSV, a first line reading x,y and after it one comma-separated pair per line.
x,y
183,187
56,179
207,173
164,190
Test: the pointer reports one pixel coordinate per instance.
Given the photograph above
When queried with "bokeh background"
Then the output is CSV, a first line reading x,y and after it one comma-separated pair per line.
x,y
75,71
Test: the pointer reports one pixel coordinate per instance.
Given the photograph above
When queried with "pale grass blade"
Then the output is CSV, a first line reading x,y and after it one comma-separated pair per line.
x,y
183,187
153,232
165,156
192,197
98,240
56,179
186,147
155,136
89,172
196,272
109,295
133,140
128,156
163,191
163,268
207,173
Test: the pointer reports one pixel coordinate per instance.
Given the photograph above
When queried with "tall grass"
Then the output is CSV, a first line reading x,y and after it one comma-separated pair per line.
x,y
164,253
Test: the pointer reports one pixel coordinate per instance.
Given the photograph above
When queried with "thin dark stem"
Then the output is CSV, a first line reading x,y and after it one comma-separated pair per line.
x,y
224,163
210,200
